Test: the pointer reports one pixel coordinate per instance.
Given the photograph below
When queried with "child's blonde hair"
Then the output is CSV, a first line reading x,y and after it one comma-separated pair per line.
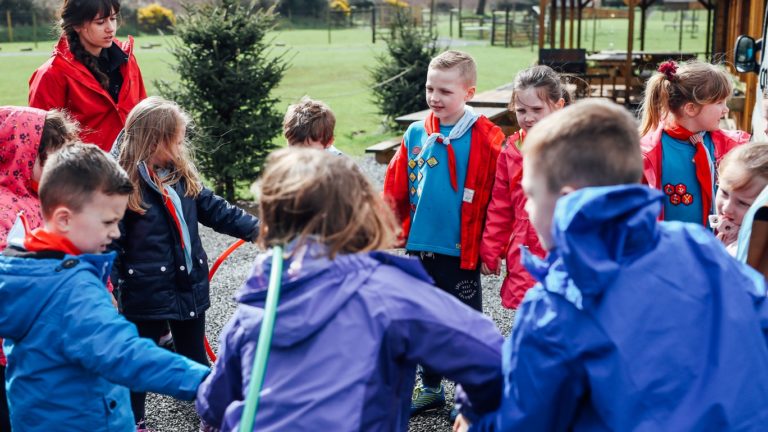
x,y
752,159
590,143
546,82
151,126
457,59
311,193
308,120
673,86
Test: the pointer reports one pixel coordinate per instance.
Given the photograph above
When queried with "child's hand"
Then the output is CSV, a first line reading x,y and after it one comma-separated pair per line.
x,y
727,230
484,269
461,424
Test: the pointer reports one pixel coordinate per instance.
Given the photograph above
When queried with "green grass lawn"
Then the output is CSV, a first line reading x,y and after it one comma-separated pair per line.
x,y
337,72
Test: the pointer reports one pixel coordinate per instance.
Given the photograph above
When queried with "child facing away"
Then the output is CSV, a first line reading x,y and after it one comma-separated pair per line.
x,y
162,267
636,325
310,123
71,356
682,109
27,137
439,185
743,175
352,322
536,93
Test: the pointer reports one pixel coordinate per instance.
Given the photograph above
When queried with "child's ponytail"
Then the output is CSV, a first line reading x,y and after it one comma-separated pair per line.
x,y
655,102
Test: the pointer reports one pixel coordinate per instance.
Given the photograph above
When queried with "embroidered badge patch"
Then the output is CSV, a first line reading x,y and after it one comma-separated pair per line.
x,y
413,190
421,176
416,150
412,177
412,164
420,162
432,162
678,194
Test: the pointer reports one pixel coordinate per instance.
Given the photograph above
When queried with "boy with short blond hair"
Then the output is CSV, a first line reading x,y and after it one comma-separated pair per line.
x,y
71,355
636,324
439,184
310,123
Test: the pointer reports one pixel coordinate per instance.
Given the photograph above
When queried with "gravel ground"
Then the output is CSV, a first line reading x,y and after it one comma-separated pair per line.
x,y
166,414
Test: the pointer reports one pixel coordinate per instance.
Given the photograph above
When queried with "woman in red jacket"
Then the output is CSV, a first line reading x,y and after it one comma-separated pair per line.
x,y
91,74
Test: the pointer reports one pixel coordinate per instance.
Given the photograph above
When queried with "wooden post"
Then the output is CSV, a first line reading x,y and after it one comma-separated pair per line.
x,y
642,24
542,21
506,26
680,34
373,23
493,27
552,23
594,25
432,17
34,28
562,23
571,15
628,73
10,25
459,17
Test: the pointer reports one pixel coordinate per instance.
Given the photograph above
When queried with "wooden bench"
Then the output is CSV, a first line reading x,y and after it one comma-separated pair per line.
x,y
385,150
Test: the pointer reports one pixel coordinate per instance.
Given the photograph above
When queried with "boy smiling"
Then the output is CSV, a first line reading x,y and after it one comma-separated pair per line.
x,y
439,184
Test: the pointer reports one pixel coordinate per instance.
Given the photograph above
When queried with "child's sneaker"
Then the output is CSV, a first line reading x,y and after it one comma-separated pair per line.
x,y
427,399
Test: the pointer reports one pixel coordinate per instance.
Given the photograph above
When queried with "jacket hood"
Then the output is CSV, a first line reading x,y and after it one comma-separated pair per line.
x,y
27,284
314,287
20,132
595,230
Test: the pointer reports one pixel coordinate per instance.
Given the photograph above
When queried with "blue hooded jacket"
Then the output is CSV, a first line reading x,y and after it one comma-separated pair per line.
x,y
635,326
71,356
348,335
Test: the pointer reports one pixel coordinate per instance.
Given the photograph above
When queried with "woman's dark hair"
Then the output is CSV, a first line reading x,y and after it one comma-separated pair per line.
x,y
75,13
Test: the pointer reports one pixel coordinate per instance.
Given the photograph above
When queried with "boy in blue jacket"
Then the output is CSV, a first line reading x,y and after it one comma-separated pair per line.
x,y
636,325
71,356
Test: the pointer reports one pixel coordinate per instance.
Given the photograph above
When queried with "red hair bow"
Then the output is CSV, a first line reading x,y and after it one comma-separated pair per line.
x,y
669,69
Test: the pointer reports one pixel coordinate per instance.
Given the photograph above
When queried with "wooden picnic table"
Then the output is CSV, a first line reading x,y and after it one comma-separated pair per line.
x,y
498,97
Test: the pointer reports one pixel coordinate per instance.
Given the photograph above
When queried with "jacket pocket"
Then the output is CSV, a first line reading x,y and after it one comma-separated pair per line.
x,y
117,409
148,287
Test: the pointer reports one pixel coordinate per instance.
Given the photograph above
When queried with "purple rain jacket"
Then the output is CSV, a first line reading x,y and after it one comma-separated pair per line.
x,y
348,336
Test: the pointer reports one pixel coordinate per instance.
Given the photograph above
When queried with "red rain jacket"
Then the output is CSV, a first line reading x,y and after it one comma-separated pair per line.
x,y
507,226
63,82
485,148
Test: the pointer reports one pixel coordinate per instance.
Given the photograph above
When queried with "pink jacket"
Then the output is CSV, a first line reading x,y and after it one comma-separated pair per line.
x,y
507,226
20,131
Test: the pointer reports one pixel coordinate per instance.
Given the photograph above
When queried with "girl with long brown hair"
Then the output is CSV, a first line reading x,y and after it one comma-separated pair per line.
x,y
162,266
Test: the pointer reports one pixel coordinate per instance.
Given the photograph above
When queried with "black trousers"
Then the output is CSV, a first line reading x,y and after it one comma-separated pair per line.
x,y
188,338
463,284
5,419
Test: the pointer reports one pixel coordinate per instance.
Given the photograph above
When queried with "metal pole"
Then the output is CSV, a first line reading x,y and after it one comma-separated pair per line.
x,y
34,28
594,25
461,32
493,27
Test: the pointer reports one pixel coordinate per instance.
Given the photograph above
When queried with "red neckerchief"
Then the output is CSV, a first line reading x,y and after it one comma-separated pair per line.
x,y
432,125
42,240
701,162
168,205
